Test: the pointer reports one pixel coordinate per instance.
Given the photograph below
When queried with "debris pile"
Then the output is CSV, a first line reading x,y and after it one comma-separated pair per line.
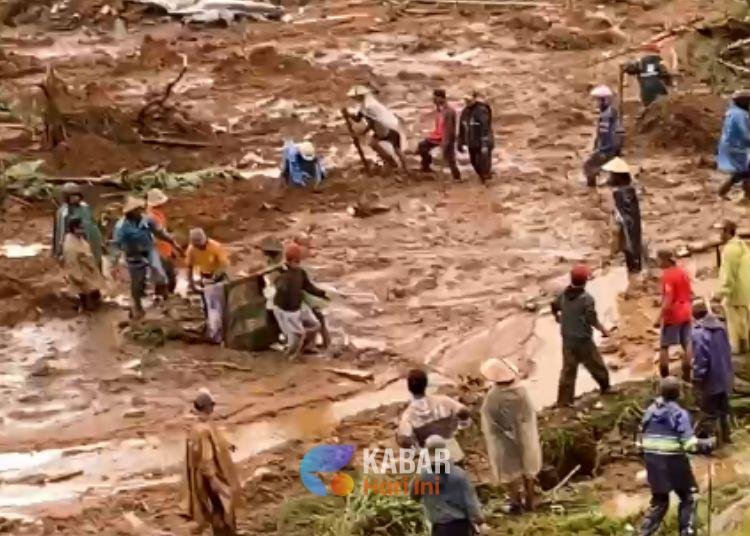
x,y
691,122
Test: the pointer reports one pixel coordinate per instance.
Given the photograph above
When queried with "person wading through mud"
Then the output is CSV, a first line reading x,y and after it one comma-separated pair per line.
x,y
511,434
317,305
429,415
475,133
627,216
713,371
211,489
609,135
443,136
74,207
734,287
208,257
653,76
734,145
575,310
134,236
667,437
301,166
385,126
297,321
155,202
455,510
81,269
675,314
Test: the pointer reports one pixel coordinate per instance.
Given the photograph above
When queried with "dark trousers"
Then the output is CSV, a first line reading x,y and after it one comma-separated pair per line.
x,y
742,177
168,265
449,155
580,352
138,275
715,410
593,166
455,528
481,161
90,301
660,506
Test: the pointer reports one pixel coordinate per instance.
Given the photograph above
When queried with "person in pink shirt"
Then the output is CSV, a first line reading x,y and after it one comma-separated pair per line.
x,y
443,135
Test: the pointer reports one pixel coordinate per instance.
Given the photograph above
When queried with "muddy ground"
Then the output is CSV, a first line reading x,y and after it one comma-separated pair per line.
x,y
452,274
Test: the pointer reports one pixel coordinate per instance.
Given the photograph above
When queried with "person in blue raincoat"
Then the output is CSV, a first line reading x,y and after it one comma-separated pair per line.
x,y
667,439
609,135
734,143
300,166
74,207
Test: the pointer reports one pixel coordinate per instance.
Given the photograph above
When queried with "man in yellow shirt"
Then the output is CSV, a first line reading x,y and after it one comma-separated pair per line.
x,y
207,256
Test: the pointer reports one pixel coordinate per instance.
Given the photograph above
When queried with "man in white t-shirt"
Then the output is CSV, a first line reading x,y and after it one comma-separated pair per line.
x,y
382,122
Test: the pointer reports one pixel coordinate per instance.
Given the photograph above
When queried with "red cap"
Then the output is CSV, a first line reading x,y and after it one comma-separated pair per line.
x,y
579,274
293,252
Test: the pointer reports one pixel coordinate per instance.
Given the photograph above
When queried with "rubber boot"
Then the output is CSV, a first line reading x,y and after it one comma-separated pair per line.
x,y
724,188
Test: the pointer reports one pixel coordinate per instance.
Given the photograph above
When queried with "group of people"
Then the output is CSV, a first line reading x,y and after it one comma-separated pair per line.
x,y
471,131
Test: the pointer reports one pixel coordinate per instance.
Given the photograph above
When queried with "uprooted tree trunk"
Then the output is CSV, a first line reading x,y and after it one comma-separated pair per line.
x,y
157,105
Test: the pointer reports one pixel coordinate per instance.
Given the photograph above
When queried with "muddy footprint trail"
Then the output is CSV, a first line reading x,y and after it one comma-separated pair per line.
x,y
450,275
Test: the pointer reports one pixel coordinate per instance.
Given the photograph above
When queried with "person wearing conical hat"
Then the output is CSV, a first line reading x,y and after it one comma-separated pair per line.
x,y
653,76
626,214
134,236
385,126
156,200
510,431
733,155
609,134
72,207
300,164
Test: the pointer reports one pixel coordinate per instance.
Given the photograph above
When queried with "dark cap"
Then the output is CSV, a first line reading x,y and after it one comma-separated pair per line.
x,y
440,93
670,388
204,402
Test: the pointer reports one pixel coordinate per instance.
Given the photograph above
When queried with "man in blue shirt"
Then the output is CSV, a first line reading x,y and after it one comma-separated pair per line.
x,y
734,143
609,135
134,237
667,439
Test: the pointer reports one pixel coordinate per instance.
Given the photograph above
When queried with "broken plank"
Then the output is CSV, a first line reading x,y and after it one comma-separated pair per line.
x,y
353,374
176,142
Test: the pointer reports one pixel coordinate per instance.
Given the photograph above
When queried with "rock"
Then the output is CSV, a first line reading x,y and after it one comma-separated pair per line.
x,y
134,414
398,292
530,21
138,401
263,473
427,283
566,38
41,368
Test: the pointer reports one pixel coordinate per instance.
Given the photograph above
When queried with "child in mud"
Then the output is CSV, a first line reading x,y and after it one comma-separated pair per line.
x,y
575,311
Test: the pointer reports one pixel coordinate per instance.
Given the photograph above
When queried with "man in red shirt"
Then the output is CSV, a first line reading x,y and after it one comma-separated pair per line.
x,y
443,135
676,313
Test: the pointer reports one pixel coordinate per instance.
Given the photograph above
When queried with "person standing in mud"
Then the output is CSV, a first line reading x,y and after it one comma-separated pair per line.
x,y
734,144
155,201
609,135
511,434
676,313
443,136
653,76
713,371
734,287
211,489
627,215
667,438
475,132
81,270
429,415
575,310
134,236
383,123
74,207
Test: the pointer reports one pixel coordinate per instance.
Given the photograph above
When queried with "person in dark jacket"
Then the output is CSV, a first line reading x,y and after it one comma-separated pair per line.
x,y
653,76
667,438
575,311
627,213
608,142
713,372
475,132
443,135
296,320
447,495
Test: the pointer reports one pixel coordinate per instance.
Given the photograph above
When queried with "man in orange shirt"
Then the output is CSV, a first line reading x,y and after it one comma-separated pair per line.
x,y
207,256
676,313
155,200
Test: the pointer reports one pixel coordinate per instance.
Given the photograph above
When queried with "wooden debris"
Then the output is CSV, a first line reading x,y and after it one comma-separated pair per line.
x,y
355,140
161,100
176,142
353,374
62,477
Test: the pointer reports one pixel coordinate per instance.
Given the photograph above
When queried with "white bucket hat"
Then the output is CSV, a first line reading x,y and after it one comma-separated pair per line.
x,y
156,197
131,204
306,149
499,370
601,92
616,165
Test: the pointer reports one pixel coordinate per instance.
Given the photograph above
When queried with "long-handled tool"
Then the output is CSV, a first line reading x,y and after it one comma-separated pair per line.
x,y
355,140
710,495
621,92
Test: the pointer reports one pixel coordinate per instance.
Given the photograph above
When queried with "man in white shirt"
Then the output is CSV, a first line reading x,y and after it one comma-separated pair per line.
x,y
382,122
